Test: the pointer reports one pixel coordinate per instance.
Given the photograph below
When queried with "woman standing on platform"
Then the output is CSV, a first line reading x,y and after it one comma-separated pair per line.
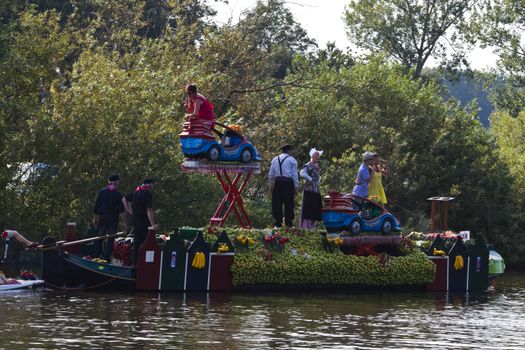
x,y
312,201
376,192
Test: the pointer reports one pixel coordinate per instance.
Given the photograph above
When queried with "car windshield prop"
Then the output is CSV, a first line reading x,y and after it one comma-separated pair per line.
x,y
220,134
370,210
228,129
367,209
357,203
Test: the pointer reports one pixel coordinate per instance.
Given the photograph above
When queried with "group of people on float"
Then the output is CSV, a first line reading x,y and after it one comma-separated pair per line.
x,y
111,206
110,210
368,183
284,185
284,180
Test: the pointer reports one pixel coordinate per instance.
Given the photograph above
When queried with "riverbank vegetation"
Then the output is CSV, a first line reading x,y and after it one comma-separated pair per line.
x,y
94,87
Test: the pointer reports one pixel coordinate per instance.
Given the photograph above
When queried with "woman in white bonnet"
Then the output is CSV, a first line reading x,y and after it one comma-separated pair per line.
x,y
312,201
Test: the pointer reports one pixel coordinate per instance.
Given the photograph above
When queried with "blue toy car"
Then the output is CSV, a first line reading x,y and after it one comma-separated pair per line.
x,y
346,212
198,142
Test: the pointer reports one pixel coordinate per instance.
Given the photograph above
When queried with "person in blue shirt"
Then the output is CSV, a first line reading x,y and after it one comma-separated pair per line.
x,y
364,175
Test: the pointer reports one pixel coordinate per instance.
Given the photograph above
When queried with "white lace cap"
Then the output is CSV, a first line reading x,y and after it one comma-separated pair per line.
x,y
313,150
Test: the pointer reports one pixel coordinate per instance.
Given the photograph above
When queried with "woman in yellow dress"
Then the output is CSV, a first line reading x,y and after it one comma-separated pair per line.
x,y
376,192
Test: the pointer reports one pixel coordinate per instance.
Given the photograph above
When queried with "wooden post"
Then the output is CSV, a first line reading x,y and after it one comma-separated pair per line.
x,y
71,235
439,213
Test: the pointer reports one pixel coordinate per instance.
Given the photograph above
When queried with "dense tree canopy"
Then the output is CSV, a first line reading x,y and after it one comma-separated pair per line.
x,y
410,31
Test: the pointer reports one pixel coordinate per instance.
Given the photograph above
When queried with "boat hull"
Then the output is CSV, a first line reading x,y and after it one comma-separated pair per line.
x,y
64,271
22,284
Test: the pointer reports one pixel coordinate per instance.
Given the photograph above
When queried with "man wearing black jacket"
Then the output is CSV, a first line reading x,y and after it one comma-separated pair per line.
x,y
108,208
141,210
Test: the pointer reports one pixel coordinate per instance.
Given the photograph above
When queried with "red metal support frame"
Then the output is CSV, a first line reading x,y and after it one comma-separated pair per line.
x,y
232,198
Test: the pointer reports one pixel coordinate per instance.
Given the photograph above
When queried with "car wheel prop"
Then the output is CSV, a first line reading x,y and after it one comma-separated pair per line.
x,y
355,227
386,227
213,153
246,155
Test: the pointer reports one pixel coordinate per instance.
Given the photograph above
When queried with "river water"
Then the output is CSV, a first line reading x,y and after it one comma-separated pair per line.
x,y
48,319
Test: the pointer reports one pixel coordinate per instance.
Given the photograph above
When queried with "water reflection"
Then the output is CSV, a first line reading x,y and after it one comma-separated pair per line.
x,y
49,319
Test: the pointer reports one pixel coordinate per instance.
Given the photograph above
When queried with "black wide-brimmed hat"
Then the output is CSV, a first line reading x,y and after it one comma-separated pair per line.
x,y
286,148
113,177
148,181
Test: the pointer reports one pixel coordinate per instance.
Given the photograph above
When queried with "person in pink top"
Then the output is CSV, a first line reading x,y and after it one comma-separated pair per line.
x,y
197,105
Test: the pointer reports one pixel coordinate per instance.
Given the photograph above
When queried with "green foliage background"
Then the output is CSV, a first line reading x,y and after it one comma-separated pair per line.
x,y
94,87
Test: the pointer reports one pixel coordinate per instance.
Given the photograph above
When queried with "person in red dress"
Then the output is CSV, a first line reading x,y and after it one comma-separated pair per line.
x,y
197,105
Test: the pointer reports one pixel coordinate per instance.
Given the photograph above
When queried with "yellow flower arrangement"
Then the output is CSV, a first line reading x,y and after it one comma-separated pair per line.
x,y
223,248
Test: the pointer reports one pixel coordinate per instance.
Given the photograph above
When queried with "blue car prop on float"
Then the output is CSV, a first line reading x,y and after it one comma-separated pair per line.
x,y
347,212
197,141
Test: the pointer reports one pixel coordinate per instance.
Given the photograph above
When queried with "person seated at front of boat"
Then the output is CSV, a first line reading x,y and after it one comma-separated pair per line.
x,y
364,175
141,210
106,213
3,279
197,105
8,234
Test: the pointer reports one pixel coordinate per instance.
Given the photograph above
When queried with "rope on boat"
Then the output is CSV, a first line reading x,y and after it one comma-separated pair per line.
x,y
77,289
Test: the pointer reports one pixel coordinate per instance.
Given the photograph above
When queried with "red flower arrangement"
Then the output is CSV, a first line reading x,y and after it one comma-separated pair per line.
x,y
275,241
122,251
383,259
366,250
27,275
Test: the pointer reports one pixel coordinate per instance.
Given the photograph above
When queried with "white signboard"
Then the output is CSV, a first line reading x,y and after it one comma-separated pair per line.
x,y
465,235
150,255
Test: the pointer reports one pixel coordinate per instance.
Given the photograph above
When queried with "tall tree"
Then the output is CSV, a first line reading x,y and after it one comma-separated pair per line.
x,y
256,58
501,25
410,31
509,131
35,49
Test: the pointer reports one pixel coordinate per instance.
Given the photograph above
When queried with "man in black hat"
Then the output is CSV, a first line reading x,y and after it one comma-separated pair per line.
x,y
142,211
284,183
106,212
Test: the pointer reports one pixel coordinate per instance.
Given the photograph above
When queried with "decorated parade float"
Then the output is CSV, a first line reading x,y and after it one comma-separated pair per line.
x,y
363,245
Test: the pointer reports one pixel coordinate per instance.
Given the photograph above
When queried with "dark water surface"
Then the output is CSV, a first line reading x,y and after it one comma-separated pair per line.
x,y
47,319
